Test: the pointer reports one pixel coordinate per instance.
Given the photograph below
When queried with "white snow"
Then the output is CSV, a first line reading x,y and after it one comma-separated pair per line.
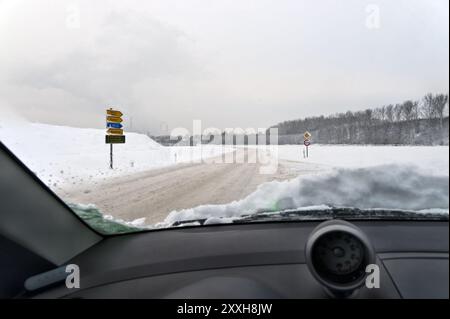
x,y
64,157
380,187
376,177
434,159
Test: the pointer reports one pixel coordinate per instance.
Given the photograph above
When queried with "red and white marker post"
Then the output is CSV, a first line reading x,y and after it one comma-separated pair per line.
x,y
307,142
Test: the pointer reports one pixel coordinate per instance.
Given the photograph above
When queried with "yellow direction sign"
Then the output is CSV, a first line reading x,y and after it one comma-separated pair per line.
x,y
114,139
307,135
115,131
114,119
114,113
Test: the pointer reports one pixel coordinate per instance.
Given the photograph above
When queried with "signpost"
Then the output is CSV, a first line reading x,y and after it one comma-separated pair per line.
x,y
114,125
115,139
114,113
114,132
307,142
307,135
114,119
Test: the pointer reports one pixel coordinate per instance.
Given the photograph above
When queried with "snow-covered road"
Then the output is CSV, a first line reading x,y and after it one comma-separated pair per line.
x,y
155,193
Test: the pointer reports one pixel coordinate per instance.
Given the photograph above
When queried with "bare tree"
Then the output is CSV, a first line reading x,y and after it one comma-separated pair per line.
x,y
390,113
410,110
379,113
398,112
440,102
407,110
428,108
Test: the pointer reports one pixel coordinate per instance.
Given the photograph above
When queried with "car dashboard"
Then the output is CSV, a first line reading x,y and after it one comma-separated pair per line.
x,y
257,260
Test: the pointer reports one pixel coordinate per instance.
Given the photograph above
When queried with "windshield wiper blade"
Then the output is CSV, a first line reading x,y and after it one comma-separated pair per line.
x,y
178,223
346,213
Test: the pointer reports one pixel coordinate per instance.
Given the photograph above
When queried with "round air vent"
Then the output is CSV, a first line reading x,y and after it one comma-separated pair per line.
x,y
337,254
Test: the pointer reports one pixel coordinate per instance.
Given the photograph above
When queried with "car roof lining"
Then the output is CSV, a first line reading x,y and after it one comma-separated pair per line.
x,y
35,217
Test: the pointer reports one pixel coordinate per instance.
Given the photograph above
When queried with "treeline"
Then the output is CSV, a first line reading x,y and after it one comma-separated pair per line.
x,y
420,122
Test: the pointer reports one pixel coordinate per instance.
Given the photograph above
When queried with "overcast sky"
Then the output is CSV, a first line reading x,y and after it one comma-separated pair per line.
x,y
228,63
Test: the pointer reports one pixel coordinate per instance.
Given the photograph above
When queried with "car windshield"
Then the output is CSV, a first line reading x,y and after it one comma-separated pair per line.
x,y
161,114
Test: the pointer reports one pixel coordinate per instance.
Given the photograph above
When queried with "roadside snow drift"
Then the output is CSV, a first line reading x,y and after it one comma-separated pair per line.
x,y
387,186
63,156
66,157
432,158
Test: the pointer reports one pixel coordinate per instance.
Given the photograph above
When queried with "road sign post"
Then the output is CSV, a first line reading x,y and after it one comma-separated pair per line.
x,y
307,142
111,156
114,132
115,139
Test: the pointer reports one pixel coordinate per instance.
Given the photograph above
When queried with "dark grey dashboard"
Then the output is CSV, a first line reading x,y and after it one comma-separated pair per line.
x,y
262,260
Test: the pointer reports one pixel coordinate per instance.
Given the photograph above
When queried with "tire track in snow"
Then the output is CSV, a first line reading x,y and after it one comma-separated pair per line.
x,y
154,194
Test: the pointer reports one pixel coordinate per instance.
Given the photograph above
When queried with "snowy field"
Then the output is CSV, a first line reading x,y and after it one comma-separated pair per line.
x,y
434,159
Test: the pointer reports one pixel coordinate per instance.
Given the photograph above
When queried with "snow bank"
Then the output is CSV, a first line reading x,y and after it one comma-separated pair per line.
x,y
63,156
67,157
435,159
381,187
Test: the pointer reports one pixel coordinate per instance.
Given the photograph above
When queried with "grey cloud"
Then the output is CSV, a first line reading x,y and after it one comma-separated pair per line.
x,y
247,64
129,48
